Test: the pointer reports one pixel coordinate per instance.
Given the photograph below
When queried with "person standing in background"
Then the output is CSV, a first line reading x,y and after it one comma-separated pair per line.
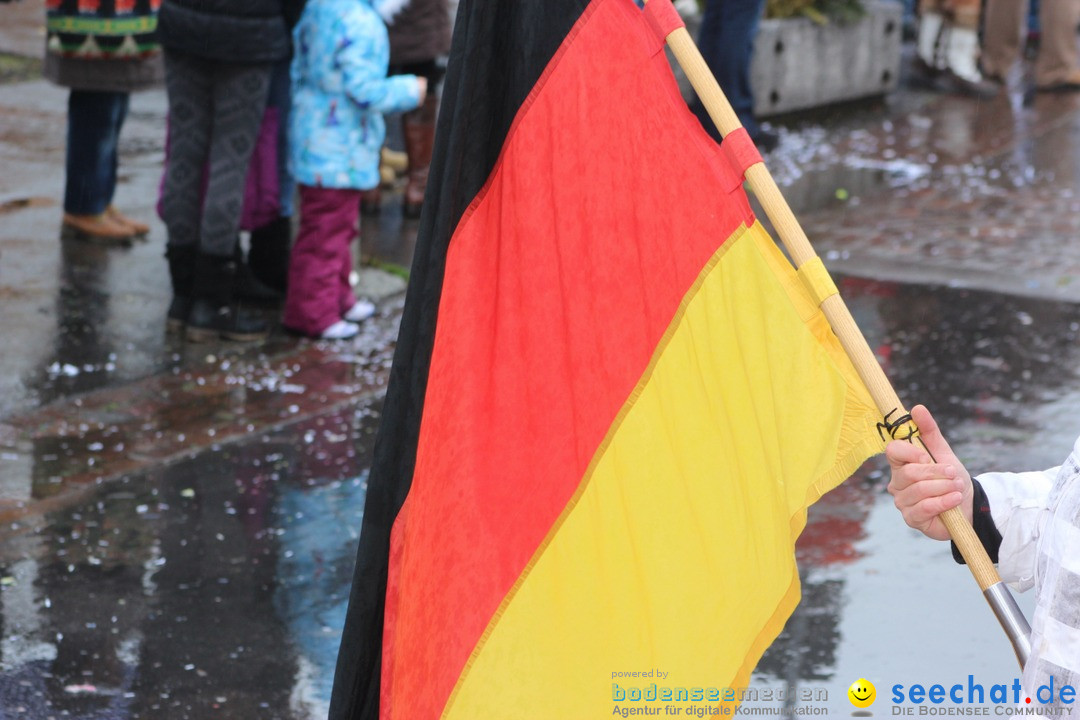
x,y
103,50
419,38
1057,66
947,45
340,92
218,60
271,242
726,41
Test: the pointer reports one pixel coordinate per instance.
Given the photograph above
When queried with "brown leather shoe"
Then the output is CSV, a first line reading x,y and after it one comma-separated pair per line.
x,y
99,229
1071,83
138,229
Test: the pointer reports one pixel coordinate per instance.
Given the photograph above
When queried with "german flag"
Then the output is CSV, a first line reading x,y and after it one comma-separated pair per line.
x,y
611,403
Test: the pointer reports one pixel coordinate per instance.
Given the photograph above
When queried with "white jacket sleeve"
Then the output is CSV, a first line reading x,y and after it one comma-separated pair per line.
x,y
1018,505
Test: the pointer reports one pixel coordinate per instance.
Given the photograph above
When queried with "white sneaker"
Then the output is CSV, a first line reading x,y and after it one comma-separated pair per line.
x,y
928,40
341,330
360,312
962,53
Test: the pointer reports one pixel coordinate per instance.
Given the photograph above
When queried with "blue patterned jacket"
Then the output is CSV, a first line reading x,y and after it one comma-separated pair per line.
x,y
340,91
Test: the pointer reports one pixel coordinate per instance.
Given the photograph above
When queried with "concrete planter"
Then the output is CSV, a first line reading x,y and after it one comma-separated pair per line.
x,y
799,64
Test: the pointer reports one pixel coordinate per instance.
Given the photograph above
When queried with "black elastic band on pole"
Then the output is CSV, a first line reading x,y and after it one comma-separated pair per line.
x,y
893,427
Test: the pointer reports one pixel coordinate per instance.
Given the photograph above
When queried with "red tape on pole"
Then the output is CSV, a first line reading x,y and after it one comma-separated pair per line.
x,y
664,19
739,150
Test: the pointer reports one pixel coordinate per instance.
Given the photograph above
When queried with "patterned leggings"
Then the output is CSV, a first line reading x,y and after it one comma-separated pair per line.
x,y
215,110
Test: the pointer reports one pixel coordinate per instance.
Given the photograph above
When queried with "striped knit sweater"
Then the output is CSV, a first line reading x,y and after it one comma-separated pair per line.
x,y
94,29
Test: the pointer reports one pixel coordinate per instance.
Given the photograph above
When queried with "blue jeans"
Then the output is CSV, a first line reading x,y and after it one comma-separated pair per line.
x,y
726,41
94,122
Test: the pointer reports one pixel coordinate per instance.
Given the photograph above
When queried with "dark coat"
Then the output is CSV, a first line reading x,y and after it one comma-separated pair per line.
x,y
420,32
238,31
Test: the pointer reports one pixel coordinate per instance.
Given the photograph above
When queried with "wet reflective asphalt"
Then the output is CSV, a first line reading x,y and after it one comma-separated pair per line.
x,y
215,586
177,524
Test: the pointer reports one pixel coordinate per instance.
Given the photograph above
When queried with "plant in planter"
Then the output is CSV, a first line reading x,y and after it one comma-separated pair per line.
x,y
820,11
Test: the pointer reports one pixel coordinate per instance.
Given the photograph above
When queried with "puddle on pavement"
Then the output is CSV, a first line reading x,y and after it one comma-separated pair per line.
x,y
825,179
105,338
837,157
217,586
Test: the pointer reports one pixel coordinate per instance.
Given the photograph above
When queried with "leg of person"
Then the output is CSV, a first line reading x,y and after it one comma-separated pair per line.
x,y
964,13
181,259
928,57
187,81
138,230
910,20
371,201
419,129
239,100
1003,29
94,121
313,304
726,38
270,244
708,42
352,309
1056,66
960,42
239,94
269,254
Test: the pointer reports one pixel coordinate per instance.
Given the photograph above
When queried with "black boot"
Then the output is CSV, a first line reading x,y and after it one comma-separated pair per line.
x,y
269,254
214,311
371,202
249,288
182,273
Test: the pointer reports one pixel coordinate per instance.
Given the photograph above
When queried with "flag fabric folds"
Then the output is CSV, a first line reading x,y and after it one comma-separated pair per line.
x,y
611,403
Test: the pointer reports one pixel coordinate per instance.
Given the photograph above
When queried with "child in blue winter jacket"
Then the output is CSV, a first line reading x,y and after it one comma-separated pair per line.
x,y
340,91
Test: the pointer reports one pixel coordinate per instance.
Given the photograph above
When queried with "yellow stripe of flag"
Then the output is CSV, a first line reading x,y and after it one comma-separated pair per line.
x,y
676,553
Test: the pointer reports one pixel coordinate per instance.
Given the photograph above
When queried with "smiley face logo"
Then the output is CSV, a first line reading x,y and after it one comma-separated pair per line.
x,y
862,693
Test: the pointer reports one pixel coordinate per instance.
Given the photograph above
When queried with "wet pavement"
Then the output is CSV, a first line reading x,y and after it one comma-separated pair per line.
x,y
178,523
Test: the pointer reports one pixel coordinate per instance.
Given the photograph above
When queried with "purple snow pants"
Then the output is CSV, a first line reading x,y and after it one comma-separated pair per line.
x,y
319,292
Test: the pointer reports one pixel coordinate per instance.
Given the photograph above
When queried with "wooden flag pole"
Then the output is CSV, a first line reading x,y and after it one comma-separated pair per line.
x,y
843,324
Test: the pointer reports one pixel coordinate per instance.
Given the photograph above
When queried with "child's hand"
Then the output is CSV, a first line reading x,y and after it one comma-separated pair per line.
x,y
421,82
923,489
